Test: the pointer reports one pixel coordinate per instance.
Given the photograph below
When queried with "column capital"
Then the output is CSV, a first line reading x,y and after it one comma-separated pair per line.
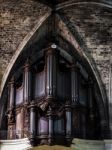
x,y
67,106
49,112
26,103
27,65
11,117
51,51
74,66
11,81
32,105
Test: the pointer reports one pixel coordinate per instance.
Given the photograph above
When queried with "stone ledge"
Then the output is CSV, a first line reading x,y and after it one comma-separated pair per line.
x,y
19,144
77,144
108,144
80,144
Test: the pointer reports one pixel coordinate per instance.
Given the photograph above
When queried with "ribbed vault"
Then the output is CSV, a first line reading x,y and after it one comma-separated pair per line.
x,y
53,29
78,23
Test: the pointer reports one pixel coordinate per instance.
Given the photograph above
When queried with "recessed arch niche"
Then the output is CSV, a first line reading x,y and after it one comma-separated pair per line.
x,y
52,95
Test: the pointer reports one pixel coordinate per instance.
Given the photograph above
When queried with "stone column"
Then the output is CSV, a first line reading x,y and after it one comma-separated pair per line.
x,y
50,117
11,94
75,84
27,82
32,125
51,72
68,122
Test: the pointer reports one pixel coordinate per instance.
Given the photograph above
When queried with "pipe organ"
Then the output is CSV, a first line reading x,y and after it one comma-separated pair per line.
x,y
48,104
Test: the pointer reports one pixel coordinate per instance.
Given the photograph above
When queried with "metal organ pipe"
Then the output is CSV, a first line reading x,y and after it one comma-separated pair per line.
x,y
51,84
51,72
75,84
11,93
76,109
27,99
27,83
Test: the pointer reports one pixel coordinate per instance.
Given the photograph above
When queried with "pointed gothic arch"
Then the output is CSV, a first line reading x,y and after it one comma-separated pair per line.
x,y
47,55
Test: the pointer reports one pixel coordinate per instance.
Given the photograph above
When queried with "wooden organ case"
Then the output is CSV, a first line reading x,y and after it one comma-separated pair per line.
x,y
49,103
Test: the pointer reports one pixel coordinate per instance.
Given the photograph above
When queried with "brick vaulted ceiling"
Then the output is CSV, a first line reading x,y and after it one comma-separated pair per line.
x,y
89,21
55,3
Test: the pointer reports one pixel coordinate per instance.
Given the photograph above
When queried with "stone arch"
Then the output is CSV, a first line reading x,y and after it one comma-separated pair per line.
x,y
81,50
103,102
82,55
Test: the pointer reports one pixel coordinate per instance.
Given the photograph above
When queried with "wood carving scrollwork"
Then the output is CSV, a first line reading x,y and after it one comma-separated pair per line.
x,y
43,104
11,118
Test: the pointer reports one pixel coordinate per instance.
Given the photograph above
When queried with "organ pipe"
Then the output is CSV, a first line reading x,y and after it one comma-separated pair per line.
x,y
27,82
51,72
75,83
11,93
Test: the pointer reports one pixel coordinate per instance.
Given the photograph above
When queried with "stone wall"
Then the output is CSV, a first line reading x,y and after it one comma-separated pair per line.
x,y
17,18
92,25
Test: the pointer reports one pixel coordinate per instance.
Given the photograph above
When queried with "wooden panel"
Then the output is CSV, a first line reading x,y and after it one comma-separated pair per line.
x,y
59,126
63,83
19,125
76,123
43,126
11,132
26,122
82,94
